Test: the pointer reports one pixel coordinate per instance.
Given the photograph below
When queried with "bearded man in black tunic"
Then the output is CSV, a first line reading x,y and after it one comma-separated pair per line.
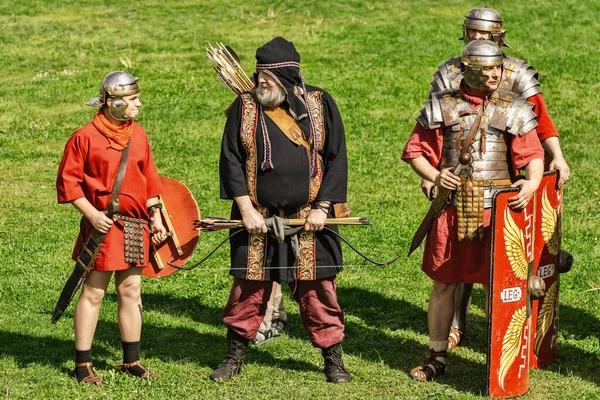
x,y
284,153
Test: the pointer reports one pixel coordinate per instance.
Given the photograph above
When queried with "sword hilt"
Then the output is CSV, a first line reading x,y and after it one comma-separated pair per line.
x,y
464,159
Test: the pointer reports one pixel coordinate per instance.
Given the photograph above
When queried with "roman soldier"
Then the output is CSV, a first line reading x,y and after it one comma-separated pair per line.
x,y
108,165
485,23
471,139
284,153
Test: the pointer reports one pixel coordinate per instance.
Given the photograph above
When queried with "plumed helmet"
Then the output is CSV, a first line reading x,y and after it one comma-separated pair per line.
x,y
485,19
115,86
477,55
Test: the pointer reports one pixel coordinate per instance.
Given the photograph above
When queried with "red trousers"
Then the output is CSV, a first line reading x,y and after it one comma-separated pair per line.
x,y
321,314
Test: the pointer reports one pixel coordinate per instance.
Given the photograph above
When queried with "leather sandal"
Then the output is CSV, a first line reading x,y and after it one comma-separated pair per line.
x,y
125,368
91,378
429,369
455,337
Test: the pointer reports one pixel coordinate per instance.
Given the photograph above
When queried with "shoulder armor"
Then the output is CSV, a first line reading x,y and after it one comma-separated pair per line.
x,y
529,85
447,76
426,118
440,110
519,77
512,113
521,117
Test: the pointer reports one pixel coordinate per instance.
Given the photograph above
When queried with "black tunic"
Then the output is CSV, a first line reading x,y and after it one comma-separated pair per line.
x,y
285,188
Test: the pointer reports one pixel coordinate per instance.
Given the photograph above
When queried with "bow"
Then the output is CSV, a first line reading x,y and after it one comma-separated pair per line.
x,y
278,228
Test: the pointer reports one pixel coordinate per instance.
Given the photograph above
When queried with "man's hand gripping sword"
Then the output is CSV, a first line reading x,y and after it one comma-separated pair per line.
x,y
438,205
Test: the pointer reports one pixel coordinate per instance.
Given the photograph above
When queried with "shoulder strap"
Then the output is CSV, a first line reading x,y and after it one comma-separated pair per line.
x,y
113,206
288,125
471,137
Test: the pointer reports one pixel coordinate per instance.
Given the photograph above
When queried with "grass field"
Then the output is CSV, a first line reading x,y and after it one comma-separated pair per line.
x,y
376,59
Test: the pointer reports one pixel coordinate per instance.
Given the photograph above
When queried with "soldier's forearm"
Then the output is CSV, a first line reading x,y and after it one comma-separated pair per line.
x,y
85,207
534,171
423,168
552,148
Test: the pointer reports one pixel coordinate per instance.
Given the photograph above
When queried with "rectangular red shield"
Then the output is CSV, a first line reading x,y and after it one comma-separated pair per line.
x,y
509,325
544,312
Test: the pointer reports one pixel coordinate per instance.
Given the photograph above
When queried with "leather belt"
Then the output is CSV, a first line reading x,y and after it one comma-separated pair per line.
x,y
497,182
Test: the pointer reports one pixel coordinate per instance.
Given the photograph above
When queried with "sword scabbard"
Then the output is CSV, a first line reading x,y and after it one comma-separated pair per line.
x,y
83,265
438,205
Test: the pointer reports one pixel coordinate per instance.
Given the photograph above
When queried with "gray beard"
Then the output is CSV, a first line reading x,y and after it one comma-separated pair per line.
x,y
271,97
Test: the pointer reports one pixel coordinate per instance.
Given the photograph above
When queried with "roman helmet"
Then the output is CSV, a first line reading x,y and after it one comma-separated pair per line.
x,y
115,86
485,19
477,55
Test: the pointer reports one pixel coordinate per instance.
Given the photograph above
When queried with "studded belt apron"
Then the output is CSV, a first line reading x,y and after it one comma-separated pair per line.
x,y
133,237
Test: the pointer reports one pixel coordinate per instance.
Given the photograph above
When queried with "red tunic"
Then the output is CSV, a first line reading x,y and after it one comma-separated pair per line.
x,y
546,128
445,258
88,169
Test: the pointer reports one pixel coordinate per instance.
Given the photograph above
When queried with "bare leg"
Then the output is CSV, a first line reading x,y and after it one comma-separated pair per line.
x,y
88,308
279,323
440,311
128,283
439,319
275,321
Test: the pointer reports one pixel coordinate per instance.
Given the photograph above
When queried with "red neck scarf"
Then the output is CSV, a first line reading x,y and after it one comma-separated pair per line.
x,y
117,136
473,96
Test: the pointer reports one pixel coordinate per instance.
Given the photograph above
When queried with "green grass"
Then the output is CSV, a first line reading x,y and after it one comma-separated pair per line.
x,y
376,59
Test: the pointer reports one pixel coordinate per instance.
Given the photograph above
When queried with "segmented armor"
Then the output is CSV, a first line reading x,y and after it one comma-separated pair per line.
x,y
508,113
517,77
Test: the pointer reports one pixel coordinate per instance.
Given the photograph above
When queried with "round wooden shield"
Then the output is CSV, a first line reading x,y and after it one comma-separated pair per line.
x,y
179,212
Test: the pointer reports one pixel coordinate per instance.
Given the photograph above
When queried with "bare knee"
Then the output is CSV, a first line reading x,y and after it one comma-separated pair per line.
x,y
92,296
443,290
129,291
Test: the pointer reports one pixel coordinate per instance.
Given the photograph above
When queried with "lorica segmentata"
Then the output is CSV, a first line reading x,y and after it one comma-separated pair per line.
x,y
504,113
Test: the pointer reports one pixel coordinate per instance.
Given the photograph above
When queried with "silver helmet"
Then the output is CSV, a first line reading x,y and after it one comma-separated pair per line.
x,y
477,55
485,19
115,86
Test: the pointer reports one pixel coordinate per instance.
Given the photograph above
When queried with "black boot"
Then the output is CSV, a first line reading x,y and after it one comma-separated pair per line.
x,y
232,365
334,365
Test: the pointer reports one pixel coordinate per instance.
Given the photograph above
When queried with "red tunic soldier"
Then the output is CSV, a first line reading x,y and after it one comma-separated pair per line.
x,y
485,23
493,134
87,175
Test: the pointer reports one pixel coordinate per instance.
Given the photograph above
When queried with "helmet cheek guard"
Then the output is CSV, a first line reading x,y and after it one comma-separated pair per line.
x,y
498,38
475,78
118,108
